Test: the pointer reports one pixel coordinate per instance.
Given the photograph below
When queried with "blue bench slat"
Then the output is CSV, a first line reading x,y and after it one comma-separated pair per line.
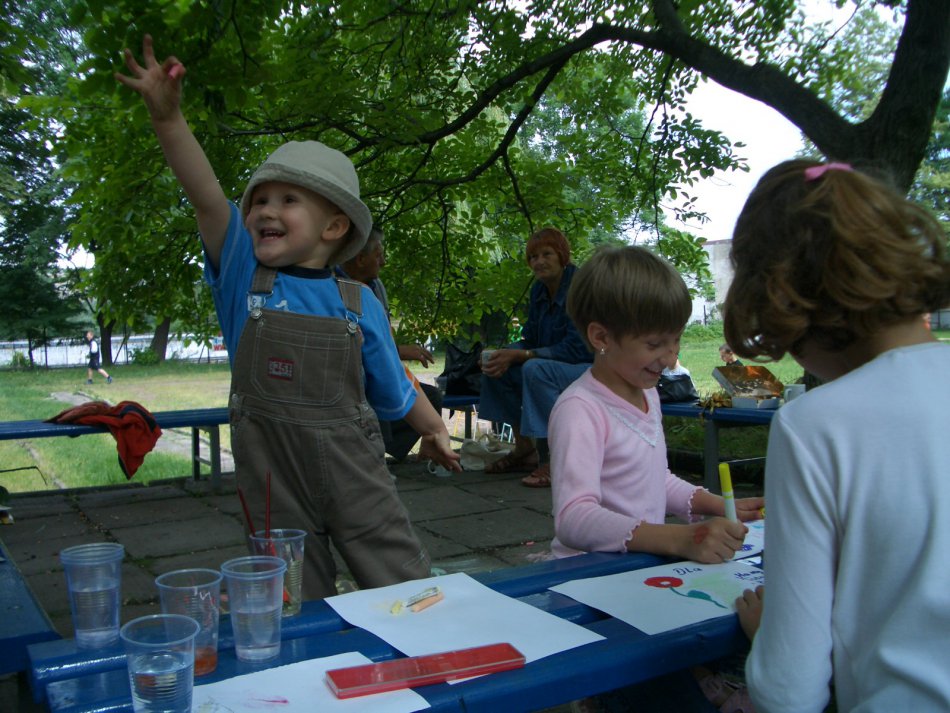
x,y
192,418
22,620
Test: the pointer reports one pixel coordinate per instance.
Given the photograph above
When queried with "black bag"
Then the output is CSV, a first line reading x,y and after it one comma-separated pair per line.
x,y
463,376
676,389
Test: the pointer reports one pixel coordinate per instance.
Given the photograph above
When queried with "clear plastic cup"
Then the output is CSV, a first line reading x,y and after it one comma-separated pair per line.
x,y
160,653
93,578
288,545
195,593
255,598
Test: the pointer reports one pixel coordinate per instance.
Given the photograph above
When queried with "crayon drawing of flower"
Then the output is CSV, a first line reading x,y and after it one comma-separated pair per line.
x,y
672,583
663,582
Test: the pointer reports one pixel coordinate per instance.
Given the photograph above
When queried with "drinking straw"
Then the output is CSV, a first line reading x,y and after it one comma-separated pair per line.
x,y
247,513
267,507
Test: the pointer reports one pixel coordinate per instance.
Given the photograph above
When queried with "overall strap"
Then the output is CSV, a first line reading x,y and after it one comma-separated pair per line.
x,y
351,294
262,287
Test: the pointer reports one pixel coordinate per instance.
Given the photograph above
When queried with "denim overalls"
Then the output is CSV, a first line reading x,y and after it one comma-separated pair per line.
x,y
298,411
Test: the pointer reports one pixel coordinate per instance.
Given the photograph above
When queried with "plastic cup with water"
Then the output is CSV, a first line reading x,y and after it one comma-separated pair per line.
x,y
160,654
93,579
288,545
255,598
195,593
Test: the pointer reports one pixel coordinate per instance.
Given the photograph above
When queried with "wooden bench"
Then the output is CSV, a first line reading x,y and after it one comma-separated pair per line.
x,y
204,419
22,620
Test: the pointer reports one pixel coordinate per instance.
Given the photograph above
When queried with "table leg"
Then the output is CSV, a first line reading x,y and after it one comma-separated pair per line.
x,y
711,456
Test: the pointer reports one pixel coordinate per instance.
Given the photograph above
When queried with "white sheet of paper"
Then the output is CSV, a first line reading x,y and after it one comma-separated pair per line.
x,y
470,615
658,599
298,688
754,540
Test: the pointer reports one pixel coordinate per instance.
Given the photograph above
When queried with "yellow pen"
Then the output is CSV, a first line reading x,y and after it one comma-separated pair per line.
x,y
725,482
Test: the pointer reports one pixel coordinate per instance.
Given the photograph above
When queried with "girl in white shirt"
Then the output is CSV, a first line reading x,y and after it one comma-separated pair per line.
x,y
836,268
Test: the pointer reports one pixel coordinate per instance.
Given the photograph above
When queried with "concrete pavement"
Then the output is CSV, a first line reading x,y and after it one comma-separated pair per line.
x,y
469,522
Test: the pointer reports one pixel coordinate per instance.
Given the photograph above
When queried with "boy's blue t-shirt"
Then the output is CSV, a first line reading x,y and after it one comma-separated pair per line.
x,y
315,292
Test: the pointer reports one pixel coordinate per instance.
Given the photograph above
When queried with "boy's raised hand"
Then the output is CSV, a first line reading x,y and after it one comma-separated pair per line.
x,y
159,84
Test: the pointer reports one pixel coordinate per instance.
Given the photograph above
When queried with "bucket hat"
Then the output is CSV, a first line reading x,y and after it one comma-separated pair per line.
x,y
325,171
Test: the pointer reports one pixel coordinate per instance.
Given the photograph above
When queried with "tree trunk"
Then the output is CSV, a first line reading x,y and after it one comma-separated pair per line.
x,y
105,341
160,339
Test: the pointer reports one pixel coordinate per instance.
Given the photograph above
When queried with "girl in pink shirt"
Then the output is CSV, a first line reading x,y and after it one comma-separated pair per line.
x,y
612,487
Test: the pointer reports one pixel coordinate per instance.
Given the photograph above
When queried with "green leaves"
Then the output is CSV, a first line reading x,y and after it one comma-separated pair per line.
x,y
471,124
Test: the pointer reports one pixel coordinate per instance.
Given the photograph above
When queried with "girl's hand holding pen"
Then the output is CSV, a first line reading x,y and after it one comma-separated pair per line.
x,y
714,541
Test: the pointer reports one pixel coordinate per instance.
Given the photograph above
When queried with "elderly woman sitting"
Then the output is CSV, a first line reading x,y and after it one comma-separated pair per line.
x,y
521,382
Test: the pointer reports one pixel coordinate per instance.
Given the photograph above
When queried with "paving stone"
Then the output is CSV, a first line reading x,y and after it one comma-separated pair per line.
x,y
43,555
207,559
124,494
228,503
28,506
117,515
67,524
52,591
474,562
500,528
138,584
446,501
440,547
171,538
511,493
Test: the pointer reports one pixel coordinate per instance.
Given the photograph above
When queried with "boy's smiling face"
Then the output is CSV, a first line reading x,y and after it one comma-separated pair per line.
x,y
292,225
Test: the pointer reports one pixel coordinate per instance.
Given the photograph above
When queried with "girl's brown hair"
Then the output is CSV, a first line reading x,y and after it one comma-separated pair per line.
x,y
831,258
552,238
630,291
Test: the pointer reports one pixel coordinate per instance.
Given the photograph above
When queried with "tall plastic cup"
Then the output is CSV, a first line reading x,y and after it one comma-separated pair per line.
x,y
288,545
93,578
195,593
255,598
160,653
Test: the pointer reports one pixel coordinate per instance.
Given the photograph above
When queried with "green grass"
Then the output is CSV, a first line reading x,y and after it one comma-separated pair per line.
x,y
47,463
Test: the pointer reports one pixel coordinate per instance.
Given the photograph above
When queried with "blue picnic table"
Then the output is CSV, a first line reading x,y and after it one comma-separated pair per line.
x,y
68,679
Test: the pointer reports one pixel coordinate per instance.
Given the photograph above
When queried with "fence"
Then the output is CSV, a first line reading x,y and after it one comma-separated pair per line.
x,y
72,353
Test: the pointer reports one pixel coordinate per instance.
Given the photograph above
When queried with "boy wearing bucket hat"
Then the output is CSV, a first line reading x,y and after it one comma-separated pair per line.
x,y
309,352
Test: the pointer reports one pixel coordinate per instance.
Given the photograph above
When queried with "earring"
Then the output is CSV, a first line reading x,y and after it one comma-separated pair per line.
x,y
603,351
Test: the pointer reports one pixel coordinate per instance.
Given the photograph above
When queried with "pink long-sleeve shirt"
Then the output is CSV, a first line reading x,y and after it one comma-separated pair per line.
x,y
609,469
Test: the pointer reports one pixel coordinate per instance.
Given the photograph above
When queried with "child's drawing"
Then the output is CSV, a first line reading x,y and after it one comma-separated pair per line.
x,y
667,597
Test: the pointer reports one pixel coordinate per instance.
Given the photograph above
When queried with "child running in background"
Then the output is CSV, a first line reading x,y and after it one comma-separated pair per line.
x,y
836,268
300,341
612,487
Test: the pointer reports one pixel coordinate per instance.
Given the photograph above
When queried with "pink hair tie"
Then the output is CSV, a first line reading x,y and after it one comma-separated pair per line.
x,y
813,173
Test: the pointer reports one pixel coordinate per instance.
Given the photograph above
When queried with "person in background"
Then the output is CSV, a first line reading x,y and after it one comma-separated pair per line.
x,y
398,436
836,268
94,356
521,382
309,352
728,356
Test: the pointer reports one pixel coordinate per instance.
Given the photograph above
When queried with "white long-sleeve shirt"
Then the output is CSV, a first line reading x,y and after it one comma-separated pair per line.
x,y
857,548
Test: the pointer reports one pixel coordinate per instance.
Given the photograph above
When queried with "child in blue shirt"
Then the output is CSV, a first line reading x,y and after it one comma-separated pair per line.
x,y
309,352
